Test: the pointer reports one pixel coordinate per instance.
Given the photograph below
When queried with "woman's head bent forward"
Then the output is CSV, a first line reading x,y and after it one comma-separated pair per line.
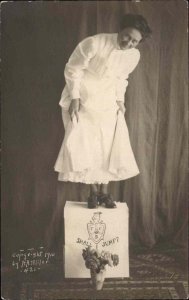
x,y
133,30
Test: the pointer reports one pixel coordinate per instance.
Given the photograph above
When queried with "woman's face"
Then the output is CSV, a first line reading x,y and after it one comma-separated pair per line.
x,y
129,38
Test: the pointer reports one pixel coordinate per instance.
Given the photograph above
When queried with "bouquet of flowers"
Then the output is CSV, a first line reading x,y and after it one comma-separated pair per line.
x,y
96,260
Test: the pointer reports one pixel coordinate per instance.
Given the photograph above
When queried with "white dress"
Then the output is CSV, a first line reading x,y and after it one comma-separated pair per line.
x,y
97,149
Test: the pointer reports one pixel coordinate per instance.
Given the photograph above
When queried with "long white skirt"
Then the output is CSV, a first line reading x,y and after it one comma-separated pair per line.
x,y
96,149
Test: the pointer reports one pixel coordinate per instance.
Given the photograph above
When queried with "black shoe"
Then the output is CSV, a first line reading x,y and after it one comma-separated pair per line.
x,y
93,201
107,200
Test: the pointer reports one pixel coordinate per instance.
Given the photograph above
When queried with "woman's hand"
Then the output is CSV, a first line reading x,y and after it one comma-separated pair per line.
x,y
74,109
121,107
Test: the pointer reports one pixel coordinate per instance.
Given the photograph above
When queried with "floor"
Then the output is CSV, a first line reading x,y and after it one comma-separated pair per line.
x,y
158,273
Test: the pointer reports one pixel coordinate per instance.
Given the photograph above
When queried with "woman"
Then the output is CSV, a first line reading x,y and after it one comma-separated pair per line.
x,y
96,147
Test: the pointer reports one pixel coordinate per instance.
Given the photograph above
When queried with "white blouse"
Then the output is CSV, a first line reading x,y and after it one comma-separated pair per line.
x,y
100,54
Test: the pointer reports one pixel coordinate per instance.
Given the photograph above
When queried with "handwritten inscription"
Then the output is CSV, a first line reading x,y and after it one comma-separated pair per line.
x,y
104,243
31,260
111,242
83,242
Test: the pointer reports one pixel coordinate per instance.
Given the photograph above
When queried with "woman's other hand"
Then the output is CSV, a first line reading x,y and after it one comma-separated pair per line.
x,y
74,109
121,107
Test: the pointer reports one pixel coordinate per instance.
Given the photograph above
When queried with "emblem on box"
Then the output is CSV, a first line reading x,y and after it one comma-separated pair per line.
x,y
96,228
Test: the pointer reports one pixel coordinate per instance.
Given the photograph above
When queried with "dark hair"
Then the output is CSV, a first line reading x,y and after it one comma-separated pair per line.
x,y
138,22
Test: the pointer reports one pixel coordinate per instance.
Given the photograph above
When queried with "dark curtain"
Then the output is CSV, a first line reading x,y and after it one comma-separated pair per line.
x,y
38,38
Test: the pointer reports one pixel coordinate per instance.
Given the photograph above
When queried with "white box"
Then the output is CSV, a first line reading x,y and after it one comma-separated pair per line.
x,y
102,228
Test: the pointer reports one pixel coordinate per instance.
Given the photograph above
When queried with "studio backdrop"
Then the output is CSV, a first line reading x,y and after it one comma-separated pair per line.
x,y
38,38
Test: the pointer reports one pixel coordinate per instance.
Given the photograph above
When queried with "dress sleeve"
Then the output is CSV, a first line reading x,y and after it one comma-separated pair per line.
x,y
121,85
121,81
77,63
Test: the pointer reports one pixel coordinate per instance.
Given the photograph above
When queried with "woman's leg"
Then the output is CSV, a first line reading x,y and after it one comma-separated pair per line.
x,y
94,188
93,198
104,188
